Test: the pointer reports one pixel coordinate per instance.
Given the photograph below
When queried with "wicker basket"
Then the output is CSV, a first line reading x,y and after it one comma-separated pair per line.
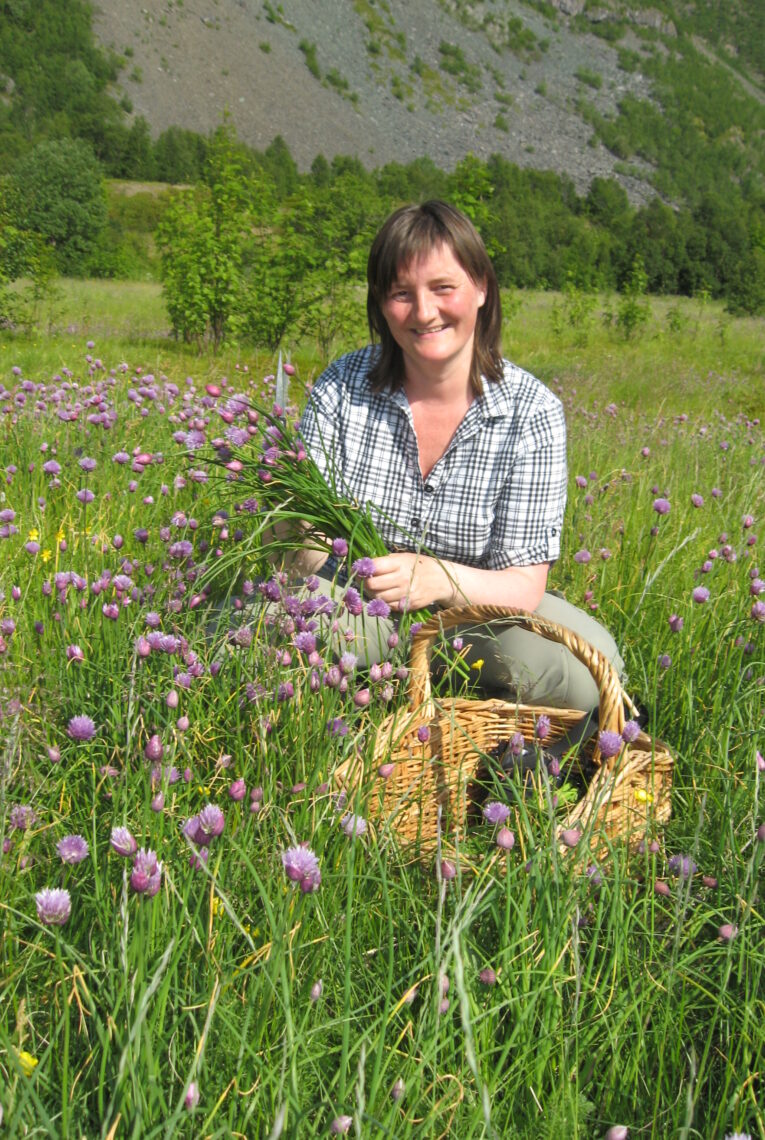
x,y
429,787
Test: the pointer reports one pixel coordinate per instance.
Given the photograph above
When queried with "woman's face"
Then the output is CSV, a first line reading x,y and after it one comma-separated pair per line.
x,y
431,310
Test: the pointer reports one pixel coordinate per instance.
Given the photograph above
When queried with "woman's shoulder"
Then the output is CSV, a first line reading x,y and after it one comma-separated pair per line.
x,y
521,390
351,368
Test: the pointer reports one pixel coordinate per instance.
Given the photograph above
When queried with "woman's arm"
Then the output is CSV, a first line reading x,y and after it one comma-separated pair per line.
x,y
414,581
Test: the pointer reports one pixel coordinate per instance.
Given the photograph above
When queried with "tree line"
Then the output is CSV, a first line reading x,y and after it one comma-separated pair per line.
x,y
253,248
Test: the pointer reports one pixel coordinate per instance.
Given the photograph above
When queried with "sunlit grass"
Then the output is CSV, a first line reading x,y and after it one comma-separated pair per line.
x,y
619,1003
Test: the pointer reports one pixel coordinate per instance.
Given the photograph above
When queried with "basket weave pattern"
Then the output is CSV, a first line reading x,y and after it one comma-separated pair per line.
x,y
429,786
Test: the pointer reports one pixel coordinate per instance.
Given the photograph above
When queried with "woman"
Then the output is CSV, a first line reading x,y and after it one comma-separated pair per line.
x,y
461,455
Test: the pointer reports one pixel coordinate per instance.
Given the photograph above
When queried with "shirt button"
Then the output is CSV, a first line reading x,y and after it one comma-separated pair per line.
x,y
415,523
428,489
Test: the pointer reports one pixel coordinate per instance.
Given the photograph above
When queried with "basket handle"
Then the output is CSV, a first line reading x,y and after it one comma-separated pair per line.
x,y
612,696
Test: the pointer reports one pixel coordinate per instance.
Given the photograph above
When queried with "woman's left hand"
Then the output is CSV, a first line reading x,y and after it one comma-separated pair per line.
x,y
410,581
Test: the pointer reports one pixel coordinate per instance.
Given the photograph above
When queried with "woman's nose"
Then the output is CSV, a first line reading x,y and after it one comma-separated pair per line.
x,y
422,304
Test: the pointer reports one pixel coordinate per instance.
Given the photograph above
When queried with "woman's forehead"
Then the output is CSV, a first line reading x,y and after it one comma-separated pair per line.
x,y
437,258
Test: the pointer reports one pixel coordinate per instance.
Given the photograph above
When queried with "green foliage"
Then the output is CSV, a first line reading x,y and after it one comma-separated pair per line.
x,y
61,197
634,311
591,78
746,295
179,156
61,78
574,314
309,52
453,62
202,239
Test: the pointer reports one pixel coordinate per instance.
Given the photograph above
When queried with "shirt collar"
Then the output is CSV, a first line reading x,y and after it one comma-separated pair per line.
x,y
496,399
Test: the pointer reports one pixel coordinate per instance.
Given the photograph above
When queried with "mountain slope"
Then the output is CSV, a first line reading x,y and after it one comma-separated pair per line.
x,y
392,80
665,95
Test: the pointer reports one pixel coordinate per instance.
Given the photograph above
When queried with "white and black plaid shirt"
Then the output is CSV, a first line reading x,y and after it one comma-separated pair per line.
x,y
495,498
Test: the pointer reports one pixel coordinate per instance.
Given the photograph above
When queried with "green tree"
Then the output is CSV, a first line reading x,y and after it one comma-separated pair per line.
x,y
61,197
633,311
203,238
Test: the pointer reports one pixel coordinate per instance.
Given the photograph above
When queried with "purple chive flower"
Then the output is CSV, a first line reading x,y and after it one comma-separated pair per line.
x,y
662,506
191,1099
340,1125
123,842
630,732
727,932
352,601
363,567
81,728
582,556
542,727
423,734
211,822
316,990
682,866
237,790
697,500
302,866
21,817
665,661
448,870
397,1090
517,744
610,744
353,825
570,836
505,839
487,976
53,906
378,608
154,749
147,871
339,547
757,612
617,1132
700,595
74,653
496,812
72,849
676,623
305,642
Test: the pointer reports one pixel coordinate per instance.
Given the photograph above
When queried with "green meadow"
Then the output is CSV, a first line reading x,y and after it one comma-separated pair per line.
x,y
166,766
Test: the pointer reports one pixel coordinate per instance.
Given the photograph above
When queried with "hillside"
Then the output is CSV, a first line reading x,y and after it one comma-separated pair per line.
x,y
542,84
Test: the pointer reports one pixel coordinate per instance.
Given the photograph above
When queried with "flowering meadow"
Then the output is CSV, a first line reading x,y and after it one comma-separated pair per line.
x,y
200,937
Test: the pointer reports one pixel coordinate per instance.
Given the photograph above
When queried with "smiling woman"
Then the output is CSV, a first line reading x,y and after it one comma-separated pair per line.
x,y
459,454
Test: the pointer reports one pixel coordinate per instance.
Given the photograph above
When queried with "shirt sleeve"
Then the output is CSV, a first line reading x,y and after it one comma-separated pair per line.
x,y
529,512
320,425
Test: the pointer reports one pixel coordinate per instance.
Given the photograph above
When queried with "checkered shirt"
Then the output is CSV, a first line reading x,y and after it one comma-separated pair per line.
x,y
495,498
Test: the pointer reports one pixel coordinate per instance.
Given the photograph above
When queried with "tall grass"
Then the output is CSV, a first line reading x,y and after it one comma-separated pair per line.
x,y
533,995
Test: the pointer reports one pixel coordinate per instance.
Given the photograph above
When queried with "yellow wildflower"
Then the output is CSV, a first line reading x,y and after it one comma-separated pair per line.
x,y
45,555
28,1062
477,665
33,535
643,797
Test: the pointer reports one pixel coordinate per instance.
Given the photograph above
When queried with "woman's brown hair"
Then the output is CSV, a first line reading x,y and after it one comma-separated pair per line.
x,y
409,233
